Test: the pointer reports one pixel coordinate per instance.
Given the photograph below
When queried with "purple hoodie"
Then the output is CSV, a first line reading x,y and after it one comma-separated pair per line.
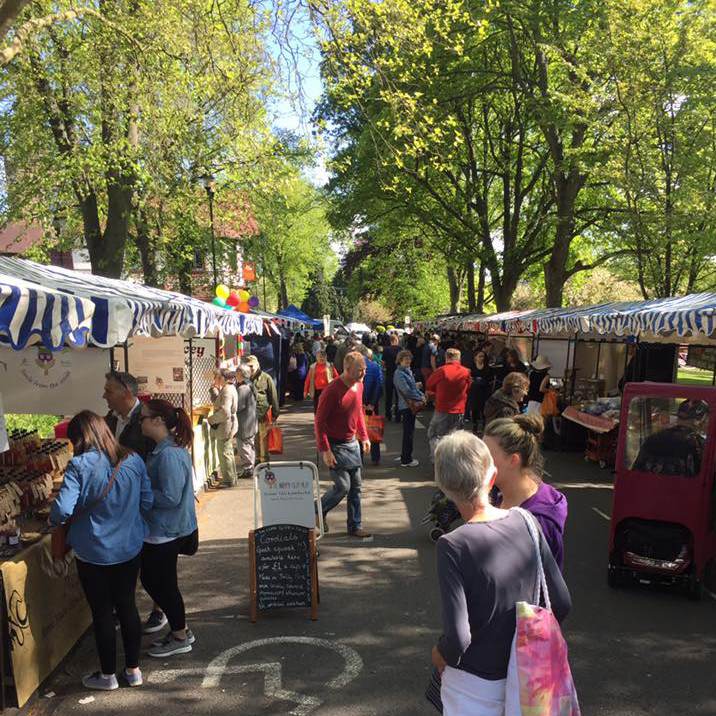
x,y
549,506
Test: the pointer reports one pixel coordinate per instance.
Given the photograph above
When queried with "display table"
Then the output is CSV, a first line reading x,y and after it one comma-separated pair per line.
x,y
205,453
597,423
45,615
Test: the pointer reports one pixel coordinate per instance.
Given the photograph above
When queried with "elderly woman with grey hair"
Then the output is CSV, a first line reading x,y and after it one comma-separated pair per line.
x,y
248,423
224,421
484,568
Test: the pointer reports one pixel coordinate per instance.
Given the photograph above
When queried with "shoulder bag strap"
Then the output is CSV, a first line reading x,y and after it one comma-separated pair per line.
x,y
533,529
100,498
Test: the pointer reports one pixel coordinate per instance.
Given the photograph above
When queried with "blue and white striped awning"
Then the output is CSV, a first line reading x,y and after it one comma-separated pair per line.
x,y
122,308
685,316
29,313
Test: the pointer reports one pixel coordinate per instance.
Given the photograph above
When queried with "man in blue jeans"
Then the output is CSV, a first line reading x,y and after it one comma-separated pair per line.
x,y
340,425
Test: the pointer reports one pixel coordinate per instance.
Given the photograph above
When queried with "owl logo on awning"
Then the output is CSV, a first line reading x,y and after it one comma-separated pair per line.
x,y
270,479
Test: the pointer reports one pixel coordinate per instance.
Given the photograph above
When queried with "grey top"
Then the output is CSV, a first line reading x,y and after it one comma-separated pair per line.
x,y
246,411
483,569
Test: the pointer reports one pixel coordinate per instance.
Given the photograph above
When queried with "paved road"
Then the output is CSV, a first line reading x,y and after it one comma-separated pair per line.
x,y
634,653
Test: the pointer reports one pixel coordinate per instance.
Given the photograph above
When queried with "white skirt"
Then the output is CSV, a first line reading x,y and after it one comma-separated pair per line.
x,y
465,694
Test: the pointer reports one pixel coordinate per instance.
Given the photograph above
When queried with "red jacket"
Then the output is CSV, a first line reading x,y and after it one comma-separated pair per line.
x,y
450,384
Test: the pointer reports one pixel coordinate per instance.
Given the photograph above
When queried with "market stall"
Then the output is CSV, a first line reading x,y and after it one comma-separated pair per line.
x,y
594,350
60,332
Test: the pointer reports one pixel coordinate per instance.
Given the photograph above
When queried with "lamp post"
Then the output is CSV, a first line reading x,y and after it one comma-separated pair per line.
x,y
209,183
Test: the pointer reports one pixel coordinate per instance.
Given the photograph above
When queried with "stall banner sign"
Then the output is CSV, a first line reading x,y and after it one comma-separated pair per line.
x,y
46,611
36,380
158,364
287,495
4,444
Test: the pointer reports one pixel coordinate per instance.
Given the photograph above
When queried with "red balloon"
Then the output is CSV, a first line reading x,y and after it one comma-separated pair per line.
x,y
233,299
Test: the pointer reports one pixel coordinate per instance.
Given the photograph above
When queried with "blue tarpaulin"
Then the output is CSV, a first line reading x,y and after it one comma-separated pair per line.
x,y
298,315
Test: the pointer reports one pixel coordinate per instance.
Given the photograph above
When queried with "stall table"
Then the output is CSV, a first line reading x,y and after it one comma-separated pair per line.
x,y
44,615
602,436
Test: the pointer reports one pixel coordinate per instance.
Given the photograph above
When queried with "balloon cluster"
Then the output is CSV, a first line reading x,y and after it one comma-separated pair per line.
x,y
237,300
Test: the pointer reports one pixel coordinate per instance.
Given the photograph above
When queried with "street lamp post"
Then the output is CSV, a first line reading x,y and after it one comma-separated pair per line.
x,y
209,183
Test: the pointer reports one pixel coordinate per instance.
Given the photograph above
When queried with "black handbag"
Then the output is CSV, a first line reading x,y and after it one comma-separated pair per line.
x,y
190,545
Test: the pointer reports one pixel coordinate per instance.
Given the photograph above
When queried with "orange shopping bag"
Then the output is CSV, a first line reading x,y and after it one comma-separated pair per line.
x,y
375,424
275,440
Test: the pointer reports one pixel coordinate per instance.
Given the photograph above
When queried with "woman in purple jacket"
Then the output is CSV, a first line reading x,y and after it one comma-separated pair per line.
x,y
514,444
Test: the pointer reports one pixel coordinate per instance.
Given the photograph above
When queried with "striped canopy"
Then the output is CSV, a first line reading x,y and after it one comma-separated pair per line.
x,y
29,313
112,310
693,315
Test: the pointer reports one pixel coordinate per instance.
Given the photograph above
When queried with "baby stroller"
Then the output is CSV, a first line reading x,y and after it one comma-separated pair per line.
x,y
441,515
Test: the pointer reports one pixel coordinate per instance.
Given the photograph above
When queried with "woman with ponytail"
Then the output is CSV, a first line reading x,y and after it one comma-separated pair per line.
x,y
172,521
514,444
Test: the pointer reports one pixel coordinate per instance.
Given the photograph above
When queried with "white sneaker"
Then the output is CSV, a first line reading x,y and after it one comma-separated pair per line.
x,y
397,459
413,463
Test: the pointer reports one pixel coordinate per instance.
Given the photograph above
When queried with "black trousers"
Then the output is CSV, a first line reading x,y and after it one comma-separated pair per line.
x,y
109,589
408,419
159,579
391,395
316,398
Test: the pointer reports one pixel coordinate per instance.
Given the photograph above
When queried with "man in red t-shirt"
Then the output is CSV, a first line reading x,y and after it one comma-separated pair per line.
x,y
340,425
450,384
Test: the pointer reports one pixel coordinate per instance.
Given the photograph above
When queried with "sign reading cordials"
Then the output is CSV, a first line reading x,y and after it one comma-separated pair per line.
x,y
283,568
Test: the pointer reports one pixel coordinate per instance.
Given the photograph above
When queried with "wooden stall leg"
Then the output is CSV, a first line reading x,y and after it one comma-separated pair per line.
x,y
314,574
253,613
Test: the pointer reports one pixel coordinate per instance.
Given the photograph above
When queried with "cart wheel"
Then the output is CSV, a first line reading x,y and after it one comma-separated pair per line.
x,y
436,533
695,588
613,578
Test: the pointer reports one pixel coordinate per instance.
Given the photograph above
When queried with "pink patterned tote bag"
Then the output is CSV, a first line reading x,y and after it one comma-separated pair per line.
x,y
539,680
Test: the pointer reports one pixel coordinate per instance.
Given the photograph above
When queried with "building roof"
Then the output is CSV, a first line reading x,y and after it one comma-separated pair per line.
x,y
18,236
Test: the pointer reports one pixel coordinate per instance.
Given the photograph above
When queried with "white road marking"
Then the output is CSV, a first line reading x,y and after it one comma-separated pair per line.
x,y
419,425
710,593
273,682
602,514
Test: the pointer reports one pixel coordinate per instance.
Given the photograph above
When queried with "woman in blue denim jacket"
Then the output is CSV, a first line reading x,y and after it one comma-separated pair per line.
x,y
106,534
172,522
407,389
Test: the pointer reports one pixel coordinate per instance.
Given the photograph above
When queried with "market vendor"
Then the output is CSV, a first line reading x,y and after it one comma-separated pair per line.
x,y
120,392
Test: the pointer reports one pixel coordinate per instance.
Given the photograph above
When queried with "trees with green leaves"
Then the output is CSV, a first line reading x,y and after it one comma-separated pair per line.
x,y
662,56
112,119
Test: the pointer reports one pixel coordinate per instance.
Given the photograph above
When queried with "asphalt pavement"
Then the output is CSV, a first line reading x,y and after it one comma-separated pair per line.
x,y
634,652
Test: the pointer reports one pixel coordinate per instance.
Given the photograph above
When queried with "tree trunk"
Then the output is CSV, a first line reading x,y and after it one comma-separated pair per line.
x,y
455,281
147,254
555,270
471,300
480,305
282,292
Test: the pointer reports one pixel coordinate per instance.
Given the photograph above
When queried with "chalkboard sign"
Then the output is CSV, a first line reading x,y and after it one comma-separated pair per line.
x,y
283,567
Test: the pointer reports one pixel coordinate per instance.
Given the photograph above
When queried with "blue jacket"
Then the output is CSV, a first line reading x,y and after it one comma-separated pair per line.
x,y
170,472
404,383
372,383
113,532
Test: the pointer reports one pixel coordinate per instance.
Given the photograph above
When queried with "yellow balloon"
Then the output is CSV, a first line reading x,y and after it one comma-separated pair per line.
x,y
222,291
244,296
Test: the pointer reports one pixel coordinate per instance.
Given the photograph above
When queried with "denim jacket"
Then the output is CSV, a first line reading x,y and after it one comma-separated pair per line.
x,y
170,472
113,531
404,383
